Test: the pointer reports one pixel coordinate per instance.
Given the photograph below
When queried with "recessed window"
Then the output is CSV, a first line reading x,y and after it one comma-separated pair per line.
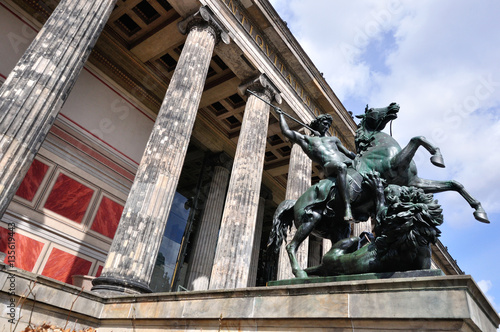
x,y
236,100
165,4
218,109
232,121
270,156
274,140
218,106
146,12
128,25
285,151
168,61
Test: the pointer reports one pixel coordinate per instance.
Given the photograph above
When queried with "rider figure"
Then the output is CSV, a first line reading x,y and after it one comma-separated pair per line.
x,y
327,151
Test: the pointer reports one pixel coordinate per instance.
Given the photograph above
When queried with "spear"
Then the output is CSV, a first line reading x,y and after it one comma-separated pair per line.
x,y
280,111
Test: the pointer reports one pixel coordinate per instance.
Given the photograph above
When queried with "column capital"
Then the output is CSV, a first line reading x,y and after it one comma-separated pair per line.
x,y
262,85
204,18
221,159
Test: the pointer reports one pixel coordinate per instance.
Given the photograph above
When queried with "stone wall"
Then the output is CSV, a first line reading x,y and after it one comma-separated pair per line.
x,y
446,303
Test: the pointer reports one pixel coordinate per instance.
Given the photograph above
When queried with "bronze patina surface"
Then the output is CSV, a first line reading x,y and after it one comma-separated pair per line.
x,y
381,182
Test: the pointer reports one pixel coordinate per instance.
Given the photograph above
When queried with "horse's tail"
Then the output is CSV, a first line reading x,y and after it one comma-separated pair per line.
x,y
282,222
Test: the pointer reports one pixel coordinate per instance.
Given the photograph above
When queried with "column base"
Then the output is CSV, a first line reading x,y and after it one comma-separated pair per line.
x,y
116,286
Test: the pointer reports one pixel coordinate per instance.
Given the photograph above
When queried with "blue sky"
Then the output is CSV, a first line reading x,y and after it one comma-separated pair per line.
x,y
439,60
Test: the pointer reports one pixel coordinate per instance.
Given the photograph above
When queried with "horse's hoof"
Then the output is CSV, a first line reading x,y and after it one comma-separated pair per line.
x,y
437,159
301,274
481,216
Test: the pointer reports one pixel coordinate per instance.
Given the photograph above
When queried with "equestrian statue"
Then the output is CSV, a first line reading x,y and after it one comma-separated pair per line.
x,y
380,181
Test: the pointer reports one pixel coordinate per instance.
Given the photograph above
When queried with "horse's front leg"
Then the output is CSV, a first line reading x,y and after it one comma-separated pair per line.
x,y
308,222
405,156
434,186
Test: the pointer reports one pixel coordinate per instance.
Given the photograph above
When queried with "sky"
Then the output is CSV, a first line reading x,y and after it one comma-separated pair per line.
x,y
439,60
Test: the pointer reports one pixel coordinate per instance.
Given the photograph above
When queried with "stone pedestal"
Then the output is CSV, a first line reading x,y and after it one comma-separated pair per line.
x,y
431,303
357,277
38,86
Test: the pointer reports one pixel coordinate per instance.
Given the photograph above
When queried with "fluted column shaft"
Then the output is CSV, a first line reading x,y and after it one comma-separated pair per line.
x,y
327,245
299,180
236,237
40,83
132,255
315,252
360,227
254,260
202,257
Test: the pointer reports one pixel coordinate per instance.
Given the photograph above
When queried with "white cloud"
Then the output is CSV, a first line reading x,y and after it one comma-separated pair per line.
x,y
485,286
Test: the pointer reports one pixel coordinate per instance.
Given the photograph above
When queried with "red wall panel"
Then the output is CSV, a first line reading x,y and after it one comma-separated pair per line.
x,y
26,249
32,180
107,217
69,198
99,271
62,265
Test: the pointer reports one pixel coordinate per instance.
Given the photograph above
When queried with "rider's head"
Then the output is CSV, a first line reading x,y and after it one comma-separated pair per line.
x,y
322,123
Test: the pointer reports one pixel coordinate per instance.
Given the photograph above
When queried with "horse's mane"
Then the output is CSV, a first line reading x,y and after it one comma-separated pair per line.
x,y
362,139
410,222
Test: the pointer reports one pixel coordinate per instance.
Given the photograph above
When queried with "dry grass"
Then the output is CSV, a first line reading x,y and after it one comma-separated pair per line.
x,y
51,328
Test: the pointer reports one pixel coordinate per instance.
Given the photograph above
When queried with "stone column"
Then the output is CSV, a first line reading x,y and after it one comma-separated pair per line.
x,y
315,251
234,249
39,84
360,227
202,257
299,180
327,245
133,253
265,194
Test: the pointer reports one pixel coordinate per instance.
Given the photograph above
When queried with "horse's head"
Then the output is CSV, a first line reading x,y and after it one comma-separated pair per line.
x,y
377,118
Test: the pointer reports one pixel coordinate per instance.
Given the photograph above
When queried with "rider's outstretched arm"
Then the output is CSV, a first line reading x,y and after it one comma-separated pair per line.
x,y
292,135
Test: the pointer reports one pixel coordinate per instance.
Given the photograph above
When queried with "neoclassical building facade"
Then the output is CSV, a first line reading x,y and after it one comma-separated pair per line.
x,y
132,151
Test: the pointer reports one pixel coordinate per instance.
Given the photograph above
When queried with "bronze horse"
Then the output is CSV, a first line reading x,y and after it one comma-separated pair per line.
x,y
317,211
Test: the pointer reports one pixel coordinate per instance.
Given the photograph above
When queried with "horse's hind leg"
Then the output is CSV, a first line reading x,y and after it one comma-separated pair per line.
x,y
433,186
308,222
406,154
